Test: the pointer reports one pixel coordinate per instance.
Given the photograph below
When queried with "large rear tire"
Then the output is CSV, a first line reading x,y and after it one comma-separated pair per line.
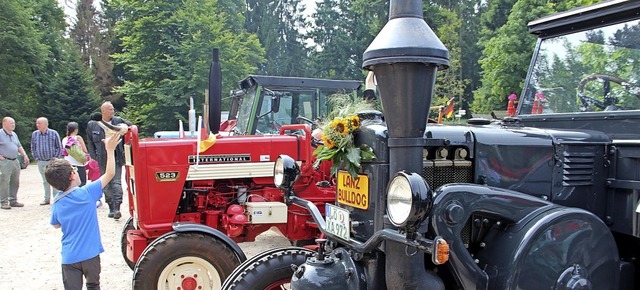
x,y
184,260
123,242
268,270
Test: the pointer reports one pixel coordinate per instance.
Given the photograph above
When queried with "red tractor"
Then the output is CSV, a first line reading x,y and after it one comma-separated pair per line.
x,y
189,209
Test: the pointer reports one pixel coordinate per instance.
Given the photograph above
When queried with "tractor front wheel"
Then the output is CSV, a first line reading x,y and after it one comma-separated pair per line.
x,y
186,261
268,270
123,242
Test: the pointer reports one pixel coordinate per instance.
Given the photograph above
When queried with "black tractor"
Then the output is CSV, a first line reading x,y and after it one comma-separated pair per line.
x,y
545,199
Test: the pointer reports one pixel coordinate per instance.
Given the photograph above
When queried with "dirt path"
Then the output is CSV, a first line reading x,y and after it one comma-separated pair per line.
x,y
30,247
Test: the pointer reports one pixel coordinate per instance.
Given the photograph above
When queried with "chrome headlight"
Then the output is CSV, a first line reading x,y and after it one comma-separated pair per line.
x,y
285,172
408,200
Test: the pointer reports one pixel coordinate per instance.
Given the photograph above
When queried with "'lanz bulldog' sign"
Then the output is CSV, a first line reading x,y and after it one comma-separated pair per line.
x,y
226,158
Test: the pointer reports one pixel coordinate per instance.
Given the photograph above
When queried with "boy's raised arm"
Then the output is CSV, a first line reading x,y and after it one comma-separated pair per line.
x,y
110,170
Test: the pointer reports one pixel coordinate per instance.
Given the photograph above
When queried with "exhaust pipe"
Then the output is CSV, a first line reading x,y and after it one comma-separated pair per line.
x,y
215,93
405,57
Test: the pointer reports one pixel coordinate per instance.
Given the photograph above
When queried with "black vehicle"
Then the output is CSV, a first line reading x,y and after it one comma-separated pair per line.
x,y
547,199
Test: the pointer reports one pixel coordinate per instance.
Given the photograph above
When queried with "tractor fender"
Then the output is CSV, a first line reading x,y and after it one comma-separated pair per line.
x,y
182,227
566,248
539,245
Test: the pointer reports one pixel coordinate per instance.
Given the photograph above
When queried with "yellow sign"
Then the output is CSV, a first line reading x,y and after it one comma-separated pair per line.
x,y
353,192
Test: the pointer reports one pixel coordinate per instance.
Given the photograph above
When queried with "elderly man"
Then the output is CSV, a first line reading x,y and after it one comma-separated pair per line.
x,y
45,145
9,165
113,190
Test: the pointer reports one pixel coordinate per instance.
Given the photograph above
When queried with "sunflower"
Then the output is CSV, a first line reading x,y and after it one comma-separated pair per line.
x,y
342,127
327,141
355,122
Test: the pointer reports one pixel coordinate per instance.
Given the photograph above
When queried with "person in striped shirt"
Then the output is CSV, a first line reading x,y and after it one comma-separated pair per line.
x,y
45,145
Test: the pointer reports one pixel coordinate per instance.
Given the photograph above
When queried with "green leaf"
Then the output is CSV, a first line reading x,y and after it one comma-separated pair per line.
x,y
366,153
353,155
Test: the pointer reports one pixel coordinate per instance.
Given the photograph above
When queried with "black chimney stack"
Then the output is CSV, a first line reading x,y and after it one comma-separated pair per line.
x,y
215,92
405,57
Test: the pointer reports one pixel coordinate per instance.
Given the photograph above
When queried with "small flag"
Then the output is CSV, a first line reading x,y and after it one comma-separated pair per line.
x,y
205,141
449,110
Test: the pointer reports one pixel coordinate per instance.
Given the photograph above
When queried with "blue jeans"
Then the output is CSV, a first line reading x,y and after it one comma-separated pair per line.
x,y
47,187
9,180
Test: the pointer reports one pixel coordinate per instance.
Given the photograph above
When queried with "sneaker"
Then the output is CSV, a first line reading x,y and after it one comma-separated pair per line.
x,y
5,206
44,203
16,204
117,215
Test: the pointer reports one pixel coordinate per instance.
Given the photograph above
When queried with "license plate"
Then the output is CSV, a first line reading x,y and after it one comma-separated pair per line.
x,y
353,191
338,222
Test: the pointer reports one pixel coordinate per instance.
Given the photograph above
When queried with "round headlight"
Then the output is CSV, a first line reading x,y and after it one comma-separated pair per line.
x,y
278,172
408,200
285,172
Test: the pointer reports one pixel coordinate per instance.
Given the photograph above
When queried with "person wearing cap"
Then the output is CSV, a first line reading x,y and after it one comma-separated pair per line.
x,y
45,145
9,165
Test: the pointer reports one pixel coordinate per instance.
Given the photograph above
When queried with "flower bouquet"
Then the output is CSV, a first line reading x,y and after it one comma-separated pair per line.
x,y
339,147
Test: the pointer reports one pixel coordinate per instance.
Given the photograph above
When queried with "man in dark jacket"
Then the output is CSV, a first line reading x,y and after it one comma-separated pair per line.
x,y
113,190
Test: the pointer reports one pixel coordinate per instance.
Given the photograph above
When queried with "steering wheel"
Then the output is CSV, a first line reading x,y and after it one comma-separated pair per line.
x,y
609,102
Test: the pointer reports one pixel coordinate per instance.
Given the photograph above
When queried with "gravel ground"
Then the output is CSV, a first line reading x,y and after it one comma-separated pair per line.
x,y
30,246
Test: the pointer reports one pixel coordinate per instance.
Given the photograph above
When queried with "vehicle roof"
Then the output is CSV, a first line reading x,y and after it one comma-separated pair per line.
x,y
587,17
298,82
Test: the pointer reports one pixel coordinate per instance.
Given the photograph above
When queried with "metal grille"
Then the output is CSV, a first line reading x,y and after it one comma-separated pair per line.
x,y
577,168
441,172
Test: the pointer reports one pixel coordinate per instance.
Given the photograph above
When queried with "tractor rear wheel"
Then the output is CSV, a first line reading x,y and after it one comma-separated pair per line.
x,y
186,261
123,242
267,270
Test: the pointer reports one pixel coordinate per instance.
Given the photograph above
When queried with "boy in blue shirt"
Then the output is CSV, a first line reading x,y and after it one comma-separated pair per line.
x,y
74,212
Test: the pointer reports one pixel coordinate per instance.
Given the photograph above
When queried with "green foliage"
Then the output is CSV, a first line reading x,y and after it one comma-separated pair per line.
x,y
446,24
167,52
31,52
278,26
71,95
341,31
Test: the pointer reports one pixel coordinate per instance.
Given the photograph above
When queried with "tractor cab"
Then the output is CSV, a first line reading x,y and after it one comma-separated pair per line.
x,y
565,77
264,103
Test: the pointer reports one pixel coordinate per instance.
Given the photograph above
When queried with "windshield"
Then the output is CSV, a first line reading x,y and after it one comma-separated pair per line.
x,y
246,104
290,104
587,71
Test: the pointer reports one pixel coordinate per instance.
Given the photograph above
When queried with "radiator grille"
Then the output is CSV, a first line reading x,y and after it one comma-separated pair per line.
x,y
441,172
577,168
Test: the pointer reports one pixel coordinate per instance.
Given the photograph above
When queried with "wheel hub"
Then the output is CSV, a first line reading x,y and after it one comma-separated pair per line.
x,y
189,273
189,283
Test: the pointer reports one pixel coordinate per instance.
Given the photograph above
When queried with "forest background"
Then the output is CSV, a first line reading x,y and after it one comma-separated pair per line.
x,y
148,57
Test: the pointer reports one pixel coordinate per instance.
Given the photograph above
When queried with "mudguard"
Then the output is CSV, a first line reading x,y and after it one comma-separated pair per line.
x,y
536,245
191,227
563,248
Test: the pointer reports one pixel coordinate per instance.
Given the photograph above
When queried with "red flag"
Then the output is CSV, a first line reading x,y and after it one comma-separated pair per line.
x,y
449,110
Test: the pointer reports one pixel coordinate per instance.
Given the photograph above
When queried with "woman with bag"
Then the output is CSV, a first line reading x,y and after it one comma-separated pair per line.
x,y
72,154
